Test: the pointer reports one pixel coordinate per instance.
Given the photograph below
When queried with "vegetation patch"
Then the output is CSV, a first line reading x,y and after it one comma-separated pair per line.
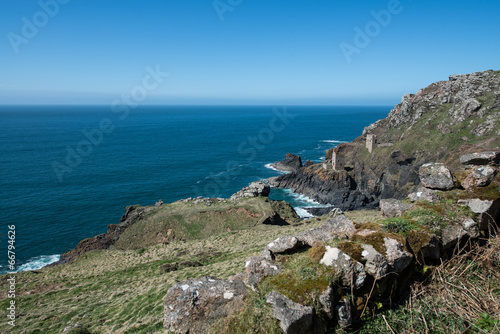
x,y
302,280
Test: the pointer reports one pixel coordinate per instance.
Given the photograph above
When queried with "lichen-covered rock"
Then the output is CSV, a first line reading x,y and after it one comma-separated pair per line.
x,y
481,158
341,226
451,235
255,189
479,177
283,245
349,271
424,194
294,318
327,301
396,256
465,110
256,268
489,211
192,306
376,264
344,313
436,176
393,208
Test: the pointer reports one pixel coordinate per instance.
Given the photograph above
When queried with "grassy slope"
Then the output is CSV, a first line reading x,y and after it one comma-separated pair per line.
x,y
114,291
190,221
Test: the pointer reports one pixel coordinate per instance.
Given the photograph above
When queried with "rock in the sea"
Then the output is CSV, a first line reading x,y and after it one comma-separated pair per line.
x,y
192,306
393,208
424,194
396,256
294,318
291,163
255,189
436,176
349,271
481,158
479,177
375,265
256,268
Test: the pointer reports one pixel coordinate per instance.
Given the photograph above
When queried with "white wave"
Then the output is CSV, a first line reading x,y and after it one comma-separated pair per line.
x,y
39,262
332,141
303,213
270,166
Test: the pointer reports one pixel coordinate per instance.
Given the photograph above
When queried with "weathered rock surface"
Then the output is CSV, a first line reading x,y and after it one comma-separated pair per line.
x,y
424,194
436,176
481,158
350,272
255,189
393,208
376,264
479,177
294,318
256,268
488,210
192,306
291,163
344,313
396,256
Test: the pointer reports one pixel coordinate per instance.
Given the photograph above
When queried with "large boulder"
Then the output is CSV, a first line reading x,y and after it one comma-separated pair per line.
x,y
481,158
397,257
350,272
294,318
255,189
488,210
393,208
291,163
282,245
375,263
256,268
424,194
192,306
479,177
340,227
436,176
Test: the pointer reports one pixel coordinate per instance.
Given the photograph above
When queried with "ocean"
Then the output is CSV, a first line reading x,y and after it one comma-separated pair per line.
x,y
69,171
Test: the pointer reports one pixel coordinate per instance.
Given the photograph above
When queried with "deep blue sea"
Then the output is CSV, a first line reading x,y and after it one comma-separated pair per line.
x,y
69,171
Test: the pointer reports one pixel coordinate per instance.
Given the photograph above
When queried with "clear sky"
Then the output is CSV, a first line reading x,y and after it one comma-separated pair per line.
x,y
240,51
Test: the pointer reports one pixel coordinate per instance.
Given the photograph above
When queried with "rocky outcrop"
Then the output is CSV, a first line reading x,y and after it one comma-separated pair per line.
x,y
255,189
481,158
294,318
192,306
415,126
291,163
393,208
479,177
106,240
436,176
424,194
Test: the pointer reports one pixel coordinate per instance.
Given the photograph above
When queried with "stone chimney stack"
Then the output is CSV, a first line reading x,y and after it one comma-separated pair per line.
x,y
371,142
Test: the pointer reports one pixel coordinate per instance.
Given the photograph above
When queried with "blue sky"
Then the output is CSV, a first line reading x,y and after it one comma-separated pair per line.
x,y
262,52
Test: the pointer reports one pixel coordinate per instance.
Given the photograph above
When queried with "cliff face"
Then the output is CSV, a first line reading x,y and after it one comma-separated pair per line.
x,y
437,124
